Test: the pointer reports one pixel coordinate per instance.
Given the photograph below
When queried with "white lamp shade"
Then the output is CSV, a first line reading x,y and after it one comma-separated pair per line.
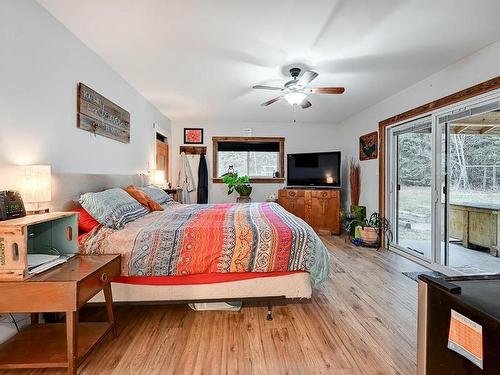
x,y
159,177
295,98
36,185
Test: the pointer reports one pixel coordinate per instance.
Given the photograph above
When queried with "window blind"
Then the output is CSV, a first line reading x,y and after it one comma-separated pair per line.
x,y
414,126
253,146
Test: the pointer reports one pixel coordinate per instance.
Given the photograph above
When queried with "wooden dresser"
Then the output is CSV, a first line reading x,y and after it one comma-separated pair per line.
x,y
319,208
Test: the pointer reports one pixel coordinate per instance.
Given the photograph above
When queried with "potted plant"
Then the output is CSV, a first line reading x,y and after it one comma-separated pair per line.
x,y
371,230
237,183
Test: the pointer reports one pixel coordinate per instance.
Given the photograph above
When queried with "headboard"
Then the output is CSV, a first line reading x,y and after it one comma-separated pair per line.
x,y
67,187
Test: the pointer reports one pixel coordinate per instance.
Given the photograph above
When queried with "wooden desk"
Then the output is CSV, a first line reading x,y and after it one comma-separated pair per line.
x,y
65,288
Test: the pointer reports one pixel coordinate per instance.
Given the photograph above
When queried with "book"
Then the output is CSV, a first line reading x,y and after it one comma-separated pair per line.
x,y
38,263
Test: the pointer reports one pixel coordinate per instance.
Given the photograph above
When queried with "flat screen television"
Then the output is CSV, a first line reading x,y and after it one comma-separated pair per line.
x,y
320,169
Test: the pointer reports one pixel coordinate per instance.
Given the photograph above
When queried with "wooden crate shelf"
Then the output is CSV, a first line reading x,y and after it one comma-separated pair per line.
x,y
43,233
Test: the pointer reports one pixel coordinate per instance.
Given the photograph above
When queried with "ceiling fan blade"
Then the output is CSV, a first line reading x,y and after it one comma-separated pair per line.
x,y
306,78
269,102
326,90
262,87
305,104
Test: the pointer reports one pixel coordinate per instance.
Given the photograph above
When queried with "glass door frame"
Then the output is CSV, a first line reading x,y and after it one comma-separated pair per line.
x,y
439,255
443,120
392,178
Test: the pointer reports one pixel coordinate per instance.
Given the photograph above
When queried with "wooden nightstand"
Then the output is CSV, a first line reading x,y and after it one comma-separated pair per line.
x,y
176,193
64,288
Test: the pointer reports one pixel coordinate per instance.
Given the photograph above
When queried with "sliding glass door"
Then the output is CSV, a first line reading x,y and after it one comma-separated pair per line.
x,y
471,188
443,188
411,187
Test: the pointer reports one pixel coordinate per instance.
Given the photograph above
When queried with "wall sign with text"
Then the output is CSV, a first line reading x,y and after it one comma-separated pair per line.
x,y
101,116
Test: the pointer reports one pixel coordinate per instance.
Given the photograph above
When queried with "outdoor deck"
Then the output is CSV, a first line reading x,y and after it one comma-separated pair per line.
x,y
461,259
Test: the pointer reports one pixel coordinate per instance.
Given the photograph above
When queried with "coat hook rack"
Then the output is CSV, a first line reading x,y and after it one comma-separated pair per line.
x,y
193,150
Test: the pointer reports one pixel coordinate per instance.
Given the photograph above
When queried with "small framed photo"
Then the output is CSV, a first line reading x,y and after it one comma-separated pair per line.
x,y
193,136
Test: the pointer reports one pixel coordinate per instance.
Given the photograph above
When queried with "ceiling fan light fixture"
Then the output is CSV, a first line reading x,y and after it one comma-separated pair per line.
x,y
295,98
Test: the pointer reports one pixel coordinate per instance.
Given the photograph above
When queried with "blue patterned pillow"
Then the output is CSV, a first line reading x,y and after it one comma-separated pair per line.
x,y
112,208
157,194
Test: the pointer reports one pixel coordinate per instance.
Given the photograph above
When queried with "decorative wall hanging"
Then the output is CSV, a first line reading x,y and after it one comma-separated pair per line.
x,y
193,136
98,115
368,146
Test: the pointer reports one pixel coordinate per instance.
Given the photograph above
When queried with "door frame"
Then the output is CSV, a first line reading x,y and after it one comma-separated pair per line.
x,y
463,99
392,208
167,144
461,110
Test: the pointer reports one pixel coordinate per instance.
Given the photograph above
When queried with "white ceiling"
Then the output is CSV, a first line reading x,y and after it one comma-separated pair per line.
x,y
197,60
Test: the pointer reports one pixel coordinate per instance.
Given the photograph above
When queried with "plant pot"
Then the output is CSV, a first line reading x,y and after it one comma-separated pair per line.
x,y
244,190
369,235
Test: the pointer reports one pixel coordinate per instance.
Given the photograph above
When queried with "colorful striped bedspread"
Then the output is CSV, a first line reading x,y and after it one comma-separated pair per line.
x,y
194,239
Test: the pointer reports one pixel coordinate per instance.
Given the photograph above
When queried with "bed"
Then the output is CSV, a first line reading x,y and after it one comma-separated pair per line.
x,y
271,284
213,252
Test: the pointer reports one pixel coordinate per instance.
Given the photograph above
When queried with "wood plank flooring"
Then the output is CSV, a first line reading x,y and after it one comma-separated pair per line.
x,y
363,321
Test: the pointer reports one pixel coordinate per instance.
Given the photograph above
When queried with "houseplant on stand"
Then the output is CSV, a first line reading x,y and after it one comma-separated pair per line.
x,y
240,184
372,230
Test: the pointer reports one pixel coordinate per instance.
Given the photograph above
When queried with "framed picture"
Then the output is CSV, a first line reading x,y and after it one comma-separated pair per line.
x,y
193,136
368,146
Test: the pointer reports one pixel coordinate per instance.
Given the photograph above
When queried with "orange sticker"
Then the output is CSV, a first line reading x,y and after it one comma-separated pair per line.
x,y
466,338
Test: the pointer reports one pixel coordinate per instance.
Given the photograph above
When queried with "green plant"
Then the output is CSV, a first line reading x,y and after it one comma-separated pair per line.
x,y
238,183
357,213
374,221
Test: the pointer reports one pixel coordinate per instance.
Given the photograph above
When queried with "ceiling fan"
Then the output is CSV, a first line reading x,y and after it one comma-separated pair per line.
x,y
295,91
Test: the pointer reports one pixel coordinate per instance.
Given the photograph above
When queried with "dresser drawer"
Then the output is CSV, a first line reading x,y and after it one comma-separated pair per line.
x,y
325,193
90,286
288,193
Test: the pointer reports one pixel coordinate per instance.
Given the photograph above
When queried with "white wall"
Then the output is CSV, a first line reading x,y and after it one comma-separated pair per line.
x,y
298,138
41,63
479,67
40,66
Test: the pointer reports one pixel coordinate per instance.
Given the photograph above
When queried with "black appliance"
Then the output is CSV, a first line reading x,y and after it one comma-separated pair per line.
x,y
458,325
11,205
320,169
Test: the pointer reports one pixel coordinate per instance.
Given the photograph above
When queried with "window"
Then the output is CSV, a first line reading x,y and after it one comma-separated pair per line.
x,y
261,158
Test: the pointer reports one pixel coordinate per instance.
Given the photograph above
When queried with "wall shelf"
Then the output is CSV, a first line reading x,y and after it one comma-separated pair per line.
x,y
193,150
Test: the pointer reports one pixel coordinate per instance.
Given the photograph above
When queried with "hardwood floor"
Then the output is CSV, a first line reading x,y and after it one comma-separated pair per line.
x,y
363,321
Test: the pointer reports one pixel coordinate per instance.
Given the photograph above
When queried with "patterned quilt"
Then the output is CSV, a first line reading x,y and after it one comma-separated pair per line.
x,y
193,239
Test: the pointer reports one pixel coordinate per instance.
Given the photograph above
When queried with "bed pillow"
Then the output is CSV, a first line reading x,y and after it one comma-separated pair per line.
x,y
112,208
157,194
85,222
143,199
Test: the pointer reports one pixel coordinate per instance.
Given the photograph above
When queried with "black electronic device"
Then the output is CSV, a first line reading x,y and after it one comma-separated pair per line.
x,y
320,169
11,205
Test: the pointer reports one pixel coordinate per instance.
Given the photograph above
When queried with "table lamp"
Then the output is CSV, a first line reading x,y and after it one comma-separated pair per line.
x,y
36,187
159,177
